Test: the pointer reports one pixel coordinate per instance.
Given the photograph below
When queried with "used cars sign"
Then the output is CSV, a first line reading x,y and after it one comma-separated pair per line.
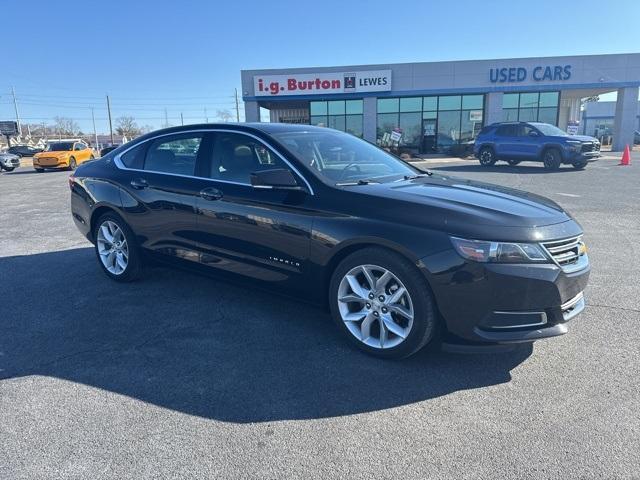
x,y
322,83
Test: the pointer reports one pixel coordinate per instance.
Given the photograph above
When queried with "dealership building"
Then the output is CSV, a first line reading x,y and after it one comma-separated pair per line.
x,y
433,107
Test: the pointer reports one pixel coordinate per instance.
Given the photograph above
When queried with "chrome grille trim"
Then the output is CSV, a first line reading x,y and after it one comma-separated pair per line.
x,y
566,253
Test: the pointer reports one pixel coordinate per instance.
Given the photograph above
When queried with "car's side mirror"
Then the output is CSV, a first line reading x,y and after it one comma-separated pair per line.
x,y
276,178
533,133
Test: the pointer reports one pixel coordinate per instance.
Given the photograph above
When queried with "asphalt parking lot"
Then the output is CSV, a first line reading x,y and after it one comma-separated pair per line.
x,y
182,376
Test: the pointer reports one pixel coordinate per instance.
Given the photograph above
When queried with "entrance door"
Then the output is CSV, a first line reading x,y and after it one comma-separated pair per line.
x,y
429,137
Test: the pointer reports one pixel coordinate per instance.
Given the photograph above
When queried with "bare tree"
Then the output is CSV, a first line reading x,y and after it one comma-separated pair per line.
x,y
146,129
224,115
66,126
127,127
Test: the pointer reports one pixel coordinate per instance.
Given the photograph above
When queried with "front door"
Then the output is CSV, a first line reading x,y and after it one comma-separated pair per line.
x,y
260,233
429,137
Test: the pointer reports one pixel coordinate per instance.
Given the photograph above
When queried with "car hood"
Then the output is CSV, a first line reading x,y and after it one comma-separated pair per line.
x,y
53,154
455,205
582,138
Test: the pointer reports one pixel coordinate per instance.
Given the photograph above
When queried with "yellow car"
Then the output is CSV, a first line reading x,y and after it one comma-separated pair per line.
x,y
64,154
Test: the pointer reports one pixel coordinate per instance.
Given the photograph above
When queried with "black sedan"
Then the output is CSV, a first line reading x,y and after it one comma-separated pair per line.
x,y
24,150
403,258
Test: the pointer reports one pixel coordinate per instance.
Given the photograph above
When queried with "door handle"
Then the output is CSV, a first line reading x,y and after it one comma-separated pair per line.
x,y
211,193
139,183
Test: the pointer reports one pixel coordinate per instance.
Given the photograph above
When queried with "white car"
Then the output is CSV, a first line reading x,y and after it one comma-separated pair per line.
x,y
9,161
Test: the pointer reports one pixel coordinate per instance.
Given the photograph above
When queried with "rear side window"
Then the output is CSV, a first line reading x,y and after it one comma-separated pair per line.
x,y
486,130
175,154
506,131
133,158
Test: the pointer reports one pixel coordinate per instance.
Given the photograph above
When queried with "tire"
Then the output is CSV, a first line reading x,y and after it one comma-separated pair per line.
x,y
551,159
487,157
579,165
8,169
92,158
124,262
72,164
513,163
404,336
39,170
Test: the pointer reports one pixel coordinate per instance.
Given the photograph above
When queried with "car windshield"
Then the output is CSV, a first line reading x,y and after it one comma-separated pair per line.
x,y
337,157
59,147
550,130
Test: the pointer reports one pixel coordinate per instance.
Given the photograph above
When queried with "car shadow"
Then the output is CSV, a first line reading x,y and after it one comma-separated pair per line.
x,y
204,347
504,168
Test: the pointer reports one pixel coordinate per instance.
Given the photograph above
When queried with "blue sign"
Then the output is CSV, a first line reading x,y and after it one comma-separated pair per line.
x,y
538,74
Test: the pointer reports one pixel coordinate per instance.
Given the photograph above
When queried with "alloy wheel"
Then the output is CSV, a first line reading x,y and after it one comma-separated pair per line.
x,y
112,247
375,306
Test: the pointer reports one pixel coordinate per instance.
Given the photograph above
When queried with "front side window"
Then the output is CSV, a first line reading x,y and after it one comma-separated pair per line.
x,y
236,156
337,157
173,154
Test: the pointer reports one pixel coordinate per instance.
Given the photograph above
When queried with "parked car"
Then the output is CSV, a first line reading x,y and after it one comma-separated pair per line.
x,y
514,142
9,161
64,154
106,150
24,150
402,257
636,137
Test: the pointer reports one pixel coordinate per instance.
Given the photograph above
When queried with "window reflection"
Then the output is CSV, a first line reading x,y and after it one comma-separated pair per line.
x,y
344,115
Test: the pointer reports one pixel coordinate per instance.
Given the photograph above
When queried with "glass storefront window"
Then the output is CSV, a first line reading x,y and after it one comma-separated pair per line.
x,y
429,115
531,107
353,107
333,114
388,105
510,100
317,108
411,104
528,100
549,99
448,130
386,123
449,102
353,125
319,120
470,124
411,126
337,108
429,103
472,102
548,115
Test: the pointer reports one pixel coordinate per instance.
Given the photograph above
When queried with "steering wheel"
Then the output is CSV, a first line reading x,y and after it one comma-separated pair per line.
x,y
350,165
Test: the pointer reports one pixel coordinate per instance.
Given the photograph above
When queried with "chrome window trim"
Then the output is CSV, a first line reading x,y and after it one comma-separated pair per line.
x,y
118,162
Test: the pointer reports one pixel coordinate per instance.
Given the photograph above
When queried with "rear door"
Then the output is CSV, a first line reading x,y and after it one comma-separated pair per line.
x,y
506,141
162,190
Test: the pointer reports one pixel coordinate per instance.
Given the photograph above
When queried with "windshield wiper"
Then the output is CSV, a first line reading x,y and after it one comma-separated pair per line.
x,y
418,175
362,181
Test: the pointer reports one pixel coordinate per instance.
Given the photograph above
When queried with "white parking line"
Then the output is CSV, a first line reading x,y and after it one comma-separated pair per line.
x,y
568,195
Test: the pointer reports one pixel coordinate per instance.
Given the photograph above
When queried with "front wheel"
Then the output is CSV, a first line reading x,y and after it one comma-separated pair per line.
x,y
579,165
9,169
552,159
382,303
72,164
487,157
117,249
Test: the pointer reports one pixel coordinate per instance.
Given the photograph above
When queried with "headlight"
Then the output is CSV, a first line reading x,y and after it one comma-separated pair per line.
x,y
574,145
498,252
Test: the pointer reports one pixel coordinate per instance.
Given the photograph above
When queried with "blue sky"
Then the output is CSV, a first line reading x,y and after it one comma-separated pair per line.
x,y
62,57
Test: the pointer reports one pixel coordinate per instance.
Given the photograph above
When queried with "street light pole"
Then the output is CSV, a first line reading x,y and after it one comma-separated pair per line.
x,y
15,106
95,134
110,124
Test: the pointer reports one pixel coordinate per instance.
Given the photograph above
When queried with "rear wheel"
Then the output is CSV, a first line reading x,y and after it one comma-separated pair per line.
x,y
513,163
9,169
579,165
551,159
116,248
382,303
487,157
72,164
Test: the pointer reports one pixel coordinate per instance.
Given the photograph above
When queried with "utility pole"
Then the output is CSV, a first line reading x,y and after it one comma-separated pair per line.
x,y
44,131
237,107
166,119
95,134
206,117
181,119
15,106
110,124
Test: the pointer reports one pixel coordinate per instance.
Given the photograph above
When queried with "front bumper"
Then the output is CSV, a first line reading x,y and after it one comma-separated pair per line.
x,y
504,303
49,163
10,162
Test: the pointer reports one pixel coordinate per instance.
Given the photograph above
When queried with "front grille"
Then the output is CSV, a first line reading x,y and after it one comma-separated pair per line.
x,y
588,147
564,252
